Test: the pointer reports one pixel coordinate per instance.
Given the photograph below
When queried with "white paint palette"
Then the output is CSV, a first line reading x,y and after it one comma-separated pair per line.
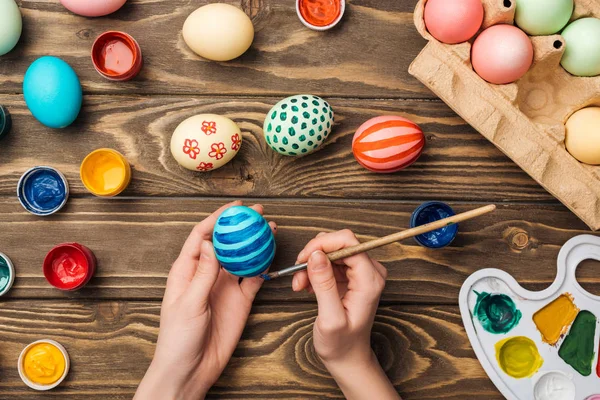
x,y
555,379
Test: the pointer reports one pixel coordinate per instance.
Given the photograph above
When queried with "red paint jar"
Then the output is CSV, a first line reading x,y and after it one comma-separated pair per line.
x,y
69,266
117,56
320,15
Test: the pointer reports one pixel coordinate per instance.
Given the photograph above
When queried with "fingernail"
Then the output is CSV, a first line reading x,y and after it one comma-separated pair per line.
x,y
205,250
318,261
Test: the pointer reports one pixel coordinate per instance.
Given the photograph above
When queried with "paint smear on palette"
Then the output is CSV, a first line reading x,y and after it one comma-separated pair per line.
x,y
554,319
518,357
577,350
554,385
594,396
497,313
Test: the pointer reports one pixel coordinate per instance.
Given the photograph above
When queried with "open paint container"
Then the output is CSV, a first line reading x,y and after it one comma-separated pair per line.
x,y
105,172
43,190
430,212
320,15
43,364
117,56
7,274
5,122
69,266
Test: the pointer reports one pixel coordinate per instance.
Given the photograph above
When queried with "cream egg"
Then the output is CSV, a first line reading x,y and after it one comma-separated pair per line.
x,y
218,32
11,25
205,142
583,135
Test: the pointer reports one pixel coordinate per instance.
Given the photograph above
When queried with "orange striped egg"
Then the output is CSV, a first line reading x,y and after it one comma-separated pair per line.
x,y
388,144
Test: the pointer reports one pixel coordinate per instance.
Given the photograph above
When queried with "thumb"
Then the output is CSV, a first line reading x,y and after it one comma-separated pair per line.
x,y
322,279
205,276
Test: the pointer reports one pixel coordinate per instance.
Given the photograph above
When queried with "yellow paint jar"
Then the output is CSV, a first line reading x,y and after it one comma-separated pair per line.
x,y
105,172
43,364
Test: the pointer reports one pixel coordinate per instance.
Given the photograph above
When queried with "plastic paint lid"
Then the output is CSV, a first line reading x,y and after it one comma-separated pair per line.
x,y
69,266
7,274
117,56
22,370
5,122
105,172
314,16
43,190
430,212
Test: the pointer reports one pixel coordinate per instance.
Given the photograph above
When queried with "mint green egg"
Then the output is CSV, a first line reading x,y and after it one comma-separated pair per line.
x,y
543,17
11,25
298,125
582,51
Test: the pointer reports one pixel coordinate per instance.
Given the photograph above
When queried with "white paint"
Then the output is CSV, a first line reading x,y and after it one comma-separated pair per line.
x,y
554,386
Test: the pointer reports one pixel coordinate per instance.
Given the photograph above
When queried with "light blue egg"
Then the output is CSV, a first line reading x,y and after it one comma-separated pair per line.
x,y
52,92
11,25
243,242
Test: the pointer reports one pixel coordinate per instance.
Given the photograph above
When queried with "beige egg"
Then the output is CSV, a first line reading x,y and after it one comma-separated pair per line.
x,y
205,142
583,135
218,32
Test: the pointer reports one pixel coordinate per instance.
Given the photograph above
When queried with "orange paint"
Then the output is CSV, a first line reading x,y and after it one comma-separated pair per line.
x,y
320,12
116,56
105,172
554,319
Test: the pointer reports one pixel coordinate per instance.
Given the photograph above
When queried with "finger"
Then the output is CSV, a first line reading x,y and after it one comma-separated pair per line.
x,y
205,276
380,268
320,274
273,226
300,281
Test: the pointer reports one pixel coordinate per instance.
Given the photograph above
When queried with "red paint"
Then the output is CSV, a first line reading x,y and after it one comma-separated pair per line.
x,y
320,12
69,266
116,56
598,367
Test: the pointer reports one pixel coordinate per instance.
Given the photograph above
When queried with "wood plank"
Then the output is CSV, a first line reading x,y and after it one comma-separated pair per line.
x,y
136,241
458,163
423,350
366,56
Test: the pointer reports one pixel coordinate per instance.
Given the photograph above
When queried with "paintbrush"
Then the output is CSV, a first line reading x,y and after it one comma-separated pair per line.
x,y
395,237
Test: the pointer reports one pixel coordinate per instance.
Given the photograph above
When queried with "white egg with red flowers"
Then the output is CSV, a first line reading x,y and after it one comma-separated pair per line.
x,y
205,142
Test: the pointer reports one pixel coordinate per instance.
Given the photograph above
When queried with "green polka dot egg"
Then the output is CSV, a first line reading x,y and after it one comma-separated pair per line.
x,y
298,125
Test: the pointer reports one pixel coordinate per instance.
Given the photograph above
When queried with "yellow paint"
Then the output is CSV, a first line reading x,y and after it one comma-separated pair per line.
x,y
105,172
518,356
44,364
554,320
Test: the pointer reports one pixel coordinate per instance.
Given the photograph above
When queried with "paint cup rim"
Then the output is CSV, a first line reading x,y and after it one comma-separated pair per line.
x,y
90,265
122,186
37,386
11,279
321,28
136,66
418,210
6,121
22,199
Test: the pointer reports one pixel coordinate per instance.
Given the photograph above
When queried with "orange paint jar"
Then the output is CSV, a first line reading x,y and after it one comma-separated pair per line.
x,y
320,14
117,56
105,172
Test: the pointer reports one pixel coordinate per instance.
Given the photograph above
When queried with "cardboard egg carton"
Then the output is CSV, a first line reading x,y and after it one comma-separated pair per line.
x,y
524,119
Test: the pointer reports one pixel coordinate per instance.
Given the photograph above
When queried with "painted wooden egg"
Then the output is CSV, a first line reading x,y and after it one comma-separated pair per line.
x,y
93,8
11,25
243,241
205,142
388,144
298,125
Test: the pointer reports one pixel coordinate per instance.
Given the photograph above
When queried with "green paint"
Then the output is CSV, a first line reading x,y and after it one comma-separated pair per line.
x,y
278,129
306,114
294,120
269,128
4,273
304,125
283,116
292,131
497,313
315,102
284,106
304,105
578,348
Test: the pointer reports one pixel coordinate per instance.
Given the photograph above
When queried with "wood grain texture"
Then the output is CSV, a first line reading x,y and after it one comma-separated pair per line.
x,y
458,163
424,351
136,241
362,57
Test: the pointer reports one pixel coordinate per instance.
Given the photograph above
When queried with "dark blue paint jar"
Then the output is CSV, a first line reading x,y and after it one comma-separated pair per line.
x,y
5,122
43,190
430,212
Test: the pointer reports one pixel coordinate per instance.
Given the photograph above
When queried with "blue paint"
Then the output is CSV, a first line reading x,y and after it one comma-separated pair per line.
x,y
7,274
430,212
43,190
52,92
243,242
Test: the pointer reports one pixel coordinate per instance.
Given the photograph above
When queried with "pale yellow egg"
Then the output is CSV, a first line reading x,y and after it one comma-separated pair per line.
x,y
218,32
583,135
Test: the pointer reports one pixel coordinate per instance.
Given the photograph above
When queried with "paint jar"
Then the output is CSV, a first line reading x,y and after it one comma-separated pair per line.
x,y
43,190
117,56
7,274
43,364
5,122
105,172
320,15
69,266
430,212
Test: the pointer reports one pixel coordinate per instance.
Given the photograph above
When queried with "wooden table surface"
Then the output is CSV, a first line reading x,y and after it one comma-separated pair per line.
x,y
110,327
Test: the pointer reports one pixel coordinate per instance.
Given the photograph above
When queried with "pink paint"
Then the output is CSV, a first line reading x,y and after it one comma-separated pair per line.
x,y
453,21
594,397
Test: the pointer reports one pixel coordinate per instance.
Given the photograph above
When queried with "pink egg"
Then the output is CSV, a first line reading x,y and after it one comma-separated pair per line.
x,y
453,21
502,54
93,8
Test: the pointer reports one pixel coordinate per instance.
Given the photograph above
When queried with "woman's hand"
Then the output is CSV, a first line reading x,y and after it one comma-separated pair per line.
x,y
348,294
203,314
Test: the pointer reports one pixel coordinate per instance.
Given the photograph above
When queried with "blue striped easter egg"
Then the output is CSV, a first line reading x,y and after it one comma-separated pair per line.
x,y
243,242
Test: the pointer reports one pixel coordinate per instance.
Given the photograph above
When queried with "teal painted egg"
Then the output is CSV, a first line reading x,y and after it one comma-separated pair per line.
x,y
582,51
298,125
52,92
11,25
543,17
243,241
